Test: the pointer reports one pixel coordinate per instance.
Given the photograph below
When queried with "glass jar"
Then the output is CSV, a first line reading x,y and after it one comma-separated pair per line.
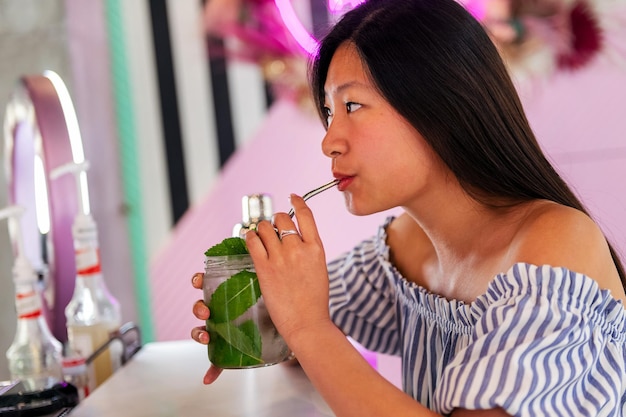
x,y
241,331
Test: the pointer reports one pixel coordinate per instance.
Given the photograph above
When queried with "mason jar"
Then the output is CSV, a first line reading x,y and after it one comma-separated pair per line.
x,y
241,332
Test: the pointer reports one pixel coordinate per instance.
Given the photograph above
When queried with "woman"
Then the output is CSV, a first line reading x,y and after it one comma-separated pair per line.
x,y
495,287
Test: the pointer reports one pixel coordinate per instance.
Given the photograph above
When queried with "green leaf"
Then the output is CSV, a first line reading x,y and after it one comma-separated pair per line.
x,y
252,331
228,246
234,296
224,355
233,346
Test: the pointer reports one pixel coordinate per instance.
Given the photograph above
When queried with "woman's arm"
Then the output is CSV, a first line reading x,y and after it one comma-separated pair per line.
x,y
294,282
350,386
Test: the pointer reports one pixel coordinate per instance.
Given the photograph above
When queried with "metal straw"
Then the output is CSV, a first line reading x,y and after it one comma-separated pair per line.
x,y
315,192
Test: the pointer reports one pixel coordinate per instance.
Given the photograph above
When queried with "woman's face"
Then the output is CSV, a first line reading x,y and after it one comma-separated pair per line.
x,y
382,161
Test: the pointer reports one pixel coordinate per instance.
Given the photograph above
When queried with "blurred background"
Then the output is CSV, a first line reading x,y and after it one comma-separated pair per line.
x,y
185,106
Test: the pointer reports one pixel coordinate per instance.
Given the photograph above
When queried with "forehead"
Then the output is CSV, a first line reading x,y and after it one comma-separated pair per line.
x,y
346,68
346,52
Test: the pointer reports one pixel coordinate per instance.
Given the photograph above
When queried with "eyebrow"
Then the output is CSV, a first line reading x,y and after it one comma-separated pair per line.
x,y
346,86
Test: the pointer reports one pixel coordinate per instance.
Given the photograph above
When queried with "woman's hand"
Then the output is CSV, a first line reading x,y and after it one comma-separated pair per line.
x,y
200,334
292,271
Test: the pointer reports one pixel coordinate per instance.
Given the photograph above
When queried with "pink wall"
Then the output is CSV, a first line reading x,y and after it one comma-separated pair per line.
x,y
283,157
579,118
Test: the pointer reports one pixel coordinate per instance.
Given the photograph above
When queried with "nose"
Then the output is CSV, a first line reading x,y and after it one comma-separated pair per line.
x,y
334,143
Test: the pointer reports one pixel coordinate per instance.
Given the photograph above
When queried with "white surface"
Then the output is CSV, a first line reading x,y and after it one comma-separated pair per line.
x,y
165,379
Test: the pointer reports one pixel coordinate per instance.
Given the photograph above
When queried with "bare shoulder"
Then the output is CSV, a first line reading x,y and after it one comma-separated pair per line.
x,y
561,236
410,249
404,232
403,224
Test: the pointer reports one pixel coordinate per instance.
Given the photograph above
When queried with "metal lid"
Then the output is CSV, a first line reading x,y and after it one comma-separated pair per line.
x,y
256,207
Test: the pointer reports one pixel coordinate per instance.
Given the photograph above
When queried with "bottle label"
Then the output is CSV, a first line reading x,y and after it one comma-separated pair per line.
x,y
81,340
82,343
84,340
87,261
28,305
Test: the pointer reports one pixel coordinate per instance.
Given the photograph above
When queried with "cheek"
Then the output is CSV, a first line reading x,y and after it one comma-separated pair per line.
x,y
400,158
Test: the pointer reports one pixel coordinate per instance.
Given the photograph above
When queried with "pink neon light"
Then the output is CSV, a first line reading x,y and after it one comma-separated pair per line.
x,y
299,32
476,8
336,6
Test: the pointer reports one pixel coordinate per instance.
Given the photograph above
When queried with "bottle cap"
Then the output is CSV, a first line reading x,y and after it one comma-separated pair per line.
x,y
23,271
256,207
84,228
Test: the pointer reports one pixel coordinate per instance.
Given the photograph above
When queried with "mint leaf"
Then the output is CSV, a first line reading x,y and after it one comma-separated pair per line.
x,y
234,346
234,296
228,246
252,331
224,355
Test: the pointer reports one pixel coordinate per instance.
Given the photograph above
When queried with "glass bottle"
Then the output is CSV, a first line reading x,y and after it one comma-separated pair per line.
x,y
75,372
34,357
92,314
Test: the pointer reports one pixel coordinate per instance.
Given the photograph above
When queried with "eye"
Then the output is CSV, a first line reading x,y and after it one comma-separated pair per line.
x,y
352,106
328,115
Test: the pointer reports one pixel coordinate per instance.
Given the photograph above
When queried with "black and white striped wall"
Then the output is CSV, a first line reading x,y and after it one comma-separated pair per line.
x,y
193,108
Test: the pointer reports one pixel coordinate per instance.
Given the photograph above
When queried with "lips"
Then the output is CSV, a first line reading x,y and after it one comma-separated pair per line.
x,y
344,181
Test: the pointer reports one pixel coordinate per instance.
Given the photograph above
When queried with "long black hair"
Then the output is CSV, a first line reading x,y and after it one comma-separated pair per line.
x,y
436,65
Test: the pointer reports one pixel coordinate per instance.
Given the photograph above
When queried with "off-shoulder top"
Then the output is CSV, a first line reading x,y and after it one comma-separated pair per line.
x,y
542,340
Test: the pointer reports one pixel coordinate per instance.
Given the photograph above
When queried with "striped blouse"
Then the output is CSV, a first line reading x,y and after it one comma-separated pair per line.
x,y
542,341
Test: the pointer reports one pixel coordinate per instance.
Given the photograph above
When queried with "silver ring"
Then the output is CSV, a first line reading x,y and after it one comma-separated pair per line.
x,y
284,233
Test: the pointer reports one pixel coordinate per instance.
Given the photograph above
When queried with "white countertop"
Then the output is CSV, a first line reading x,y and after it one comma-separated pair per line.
x,y
165,379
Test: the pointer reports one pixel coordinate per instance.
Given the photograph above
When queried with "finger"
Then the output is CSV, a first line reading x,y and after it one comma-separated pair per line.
x,y
287,229
212,374
200,335
200,310
263,241
267,233
304,216
254,245
282,219
196,280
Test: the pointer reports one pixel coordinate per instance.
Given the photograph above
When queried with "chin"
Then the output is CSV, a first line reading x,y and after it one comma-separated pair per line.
x,y
363,210
360,211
